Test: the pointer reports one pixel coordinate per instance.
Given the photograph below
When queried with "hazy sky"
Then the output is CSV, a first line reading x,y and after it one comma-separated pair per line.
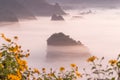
x,y
88,3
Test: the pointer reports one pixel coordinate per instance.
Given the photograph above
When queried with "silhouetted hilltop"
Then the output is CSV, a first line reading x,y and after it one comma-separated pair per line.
x,y
7,16
56,17
41,7
60,39
11,9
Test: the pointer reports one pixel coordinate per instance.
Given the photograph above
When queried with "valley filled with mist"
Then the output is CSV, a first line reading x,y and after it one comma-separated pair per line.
x,y
94,23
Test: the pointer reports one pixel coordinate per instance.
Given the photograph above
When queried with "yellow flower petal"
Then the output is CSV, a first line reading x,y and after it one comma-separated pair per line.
x,y
92,59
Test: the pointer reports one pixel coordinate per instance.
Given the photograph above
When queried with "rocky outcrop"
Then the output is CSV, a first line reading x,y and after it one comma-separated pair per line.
x,y
62,48
56,17
60,39
57,9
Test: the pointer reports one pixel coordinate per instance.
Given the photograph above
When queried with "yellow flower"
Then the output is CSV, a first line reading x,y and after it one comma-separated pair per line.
x,y
0,55
22,64
62,69
91,59
13,77
36,71
2,35
19,74
73,65
113,62
51,74
14,49
27,55
6,39
78,74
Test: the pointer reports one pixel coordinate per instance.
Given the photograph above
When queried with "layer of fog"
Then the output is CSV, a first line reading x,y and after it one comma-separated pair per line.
x,y
65,53
98,31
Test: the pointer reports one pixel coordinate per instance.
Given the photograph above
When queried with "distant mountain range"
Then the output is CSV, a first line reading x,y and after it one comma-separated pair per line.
x,y
90,3
13,10
85,1
41,7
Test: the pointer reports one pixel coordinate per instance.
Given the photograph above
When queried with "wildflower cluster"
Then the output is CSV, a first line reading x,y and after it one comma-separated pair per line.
x,y
12,63
62,74
101,71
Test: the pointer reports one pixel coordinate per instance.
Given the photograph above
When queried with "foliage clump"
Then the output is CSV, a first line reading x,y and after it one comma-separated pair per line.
x,y
101,71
